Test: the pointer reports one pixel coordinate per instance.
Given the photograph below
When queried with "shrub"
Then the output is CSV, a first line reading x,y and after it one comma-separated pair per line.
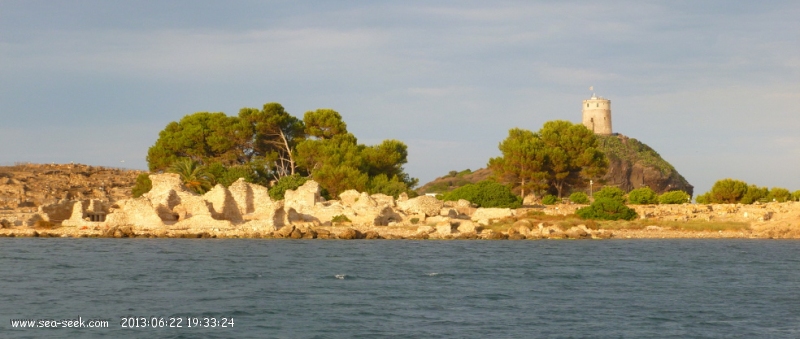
x,y
579,198
796,195
607,209
642,196
755,193
340,218
227,175
289,182
674,197
233,173
485,193
5,223
382,184
779,194
704,198
143,185
414,221
550,199
613,193
727,191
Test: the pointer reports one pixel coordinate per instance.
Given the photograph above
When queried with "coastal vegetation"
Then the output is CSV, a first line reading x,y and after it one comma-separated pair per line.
x,y
607,209
550,199
674,197
142,186
559,157
268,144
609,204
732,191
643,196
633,150
487,193
611,193
579,198
565,222
194,176
289,182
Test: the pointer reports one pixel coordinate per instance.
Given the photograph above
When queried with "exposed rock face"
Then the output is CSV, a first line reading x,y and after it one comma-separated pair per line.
x,y
633,164
430,206
58,211
35,185
139,212
223,205
304,197
466,226
492,213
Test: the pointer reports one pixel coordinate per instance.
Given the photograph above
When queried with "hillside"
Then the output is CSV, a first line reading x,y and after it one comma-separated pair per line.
x,y
632,164
33,185
454,180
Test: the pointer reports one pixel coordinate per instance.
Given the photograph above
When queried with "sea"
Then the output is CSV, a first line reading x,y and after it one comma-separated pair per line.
x,y
253,288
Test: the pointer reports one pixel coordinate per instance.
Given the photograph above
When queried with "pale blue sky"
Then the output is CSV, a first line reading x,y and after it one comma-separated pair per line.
x,y
714,86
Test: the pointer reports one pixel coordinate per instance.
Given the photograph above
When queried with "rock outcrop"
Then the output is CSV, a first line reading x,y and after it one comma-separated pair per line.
x,y
632,164
29,186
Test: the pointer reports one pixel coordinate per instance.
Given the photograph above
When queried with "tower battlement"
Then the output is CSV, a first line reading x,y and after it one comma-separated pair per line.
x,y
597,115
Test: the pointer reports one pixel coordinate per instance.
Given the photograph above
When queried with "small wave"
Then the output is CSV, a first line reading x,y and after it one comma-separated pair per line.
x,y
340,276
433,274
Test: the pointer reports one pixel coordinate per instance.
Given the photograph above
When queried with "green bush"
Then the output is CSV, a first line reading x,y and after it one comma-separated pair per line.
x,y
607,209
414,221
289,182
779,194
796,195
143,185
613,193
755,193
485,193
550,199
727,191
382,184
704,198
642,196
340,218
675,197
579,198
227,175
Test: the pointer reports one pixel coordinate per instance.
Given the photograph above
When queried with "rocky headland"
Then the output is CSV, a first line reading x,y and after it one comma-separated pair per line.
x,y
631,164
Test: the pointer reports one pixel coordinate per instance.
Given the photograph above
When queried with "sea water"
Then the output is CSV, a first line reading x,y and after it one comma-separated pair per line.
x,y
402,289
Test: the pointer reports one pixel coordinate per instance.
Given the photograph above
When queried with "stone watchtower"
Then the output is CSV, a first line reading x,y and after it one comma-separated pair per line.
x,y
597,115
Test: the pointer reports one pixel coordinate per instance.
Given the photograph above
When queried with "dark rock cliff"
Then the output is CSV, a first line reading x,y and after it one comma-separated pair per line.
x,y
632,164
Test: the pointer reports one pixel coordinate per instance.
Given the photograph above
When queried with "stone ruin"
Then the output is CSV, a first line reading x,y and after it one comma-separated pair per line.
x,y
245,206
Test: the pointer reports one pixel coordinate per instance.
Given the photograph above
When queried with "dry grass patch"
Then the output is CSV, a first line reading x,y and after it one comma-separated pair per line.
x,y
700,225
692,225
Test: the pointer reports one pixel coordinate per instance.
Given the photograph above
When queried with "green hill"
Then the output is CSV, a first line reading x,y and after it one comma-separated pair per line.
x,y
632,164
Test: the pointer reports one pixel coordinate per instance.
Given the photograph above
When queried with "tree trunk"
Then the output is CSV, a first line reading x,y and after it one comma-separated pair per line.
x,y
288,152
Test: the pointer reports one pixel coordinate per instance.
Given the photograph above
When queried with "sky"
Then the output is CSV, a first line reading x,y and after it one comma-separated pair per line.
x,y
713,86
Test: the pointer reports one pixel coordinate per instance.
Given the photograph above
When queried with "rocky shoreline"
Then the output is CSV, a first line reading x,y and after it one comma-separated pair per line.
x,y
246,210
521,232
